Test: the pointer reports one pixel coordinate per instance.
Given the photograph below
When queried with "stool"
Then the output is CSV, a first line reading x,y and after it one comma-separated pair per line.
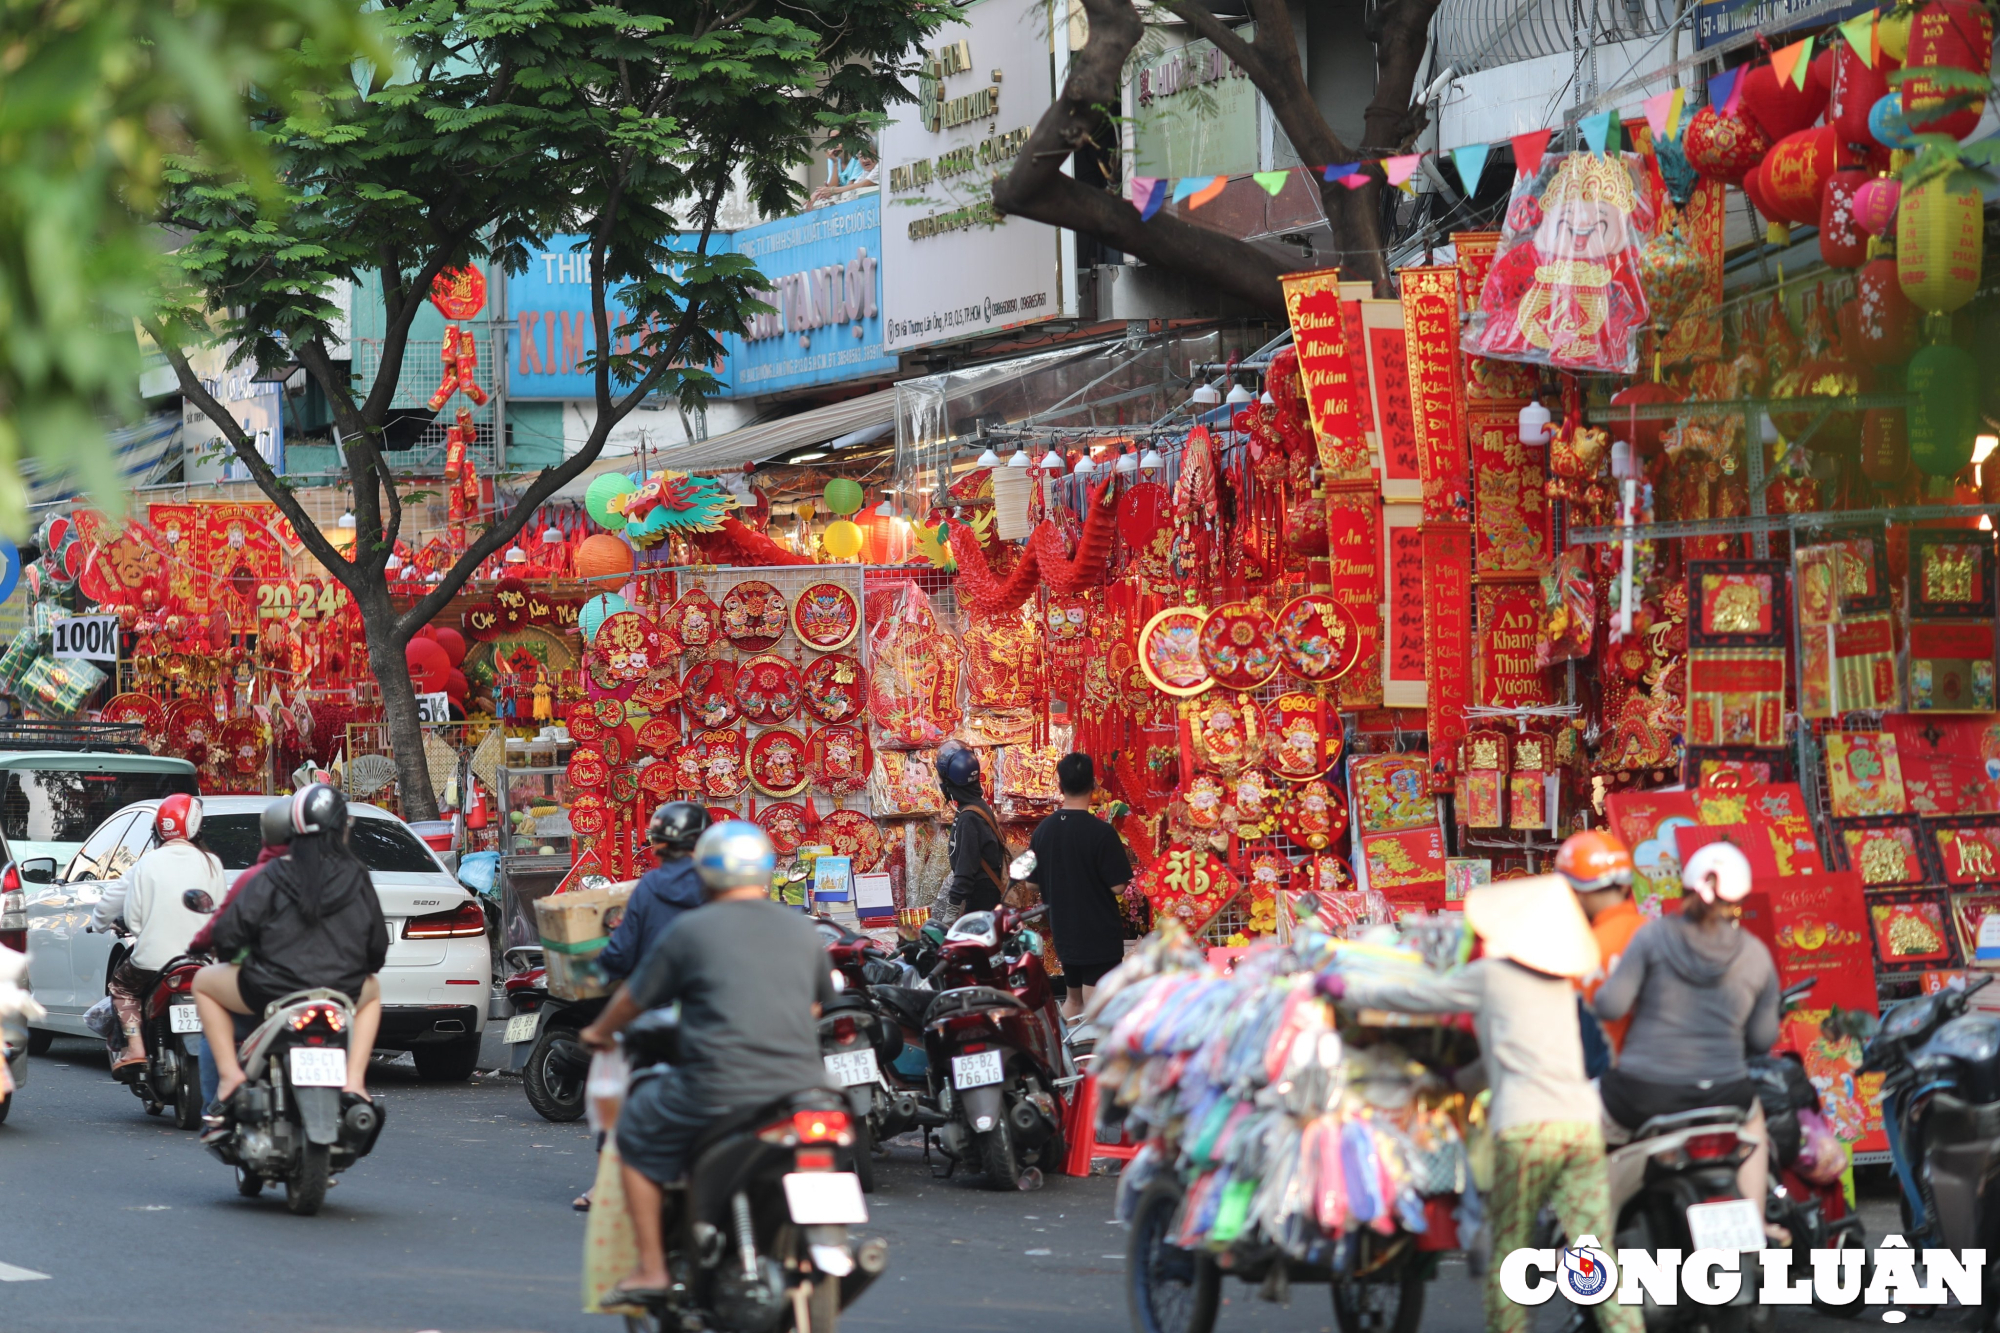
x,y
1080,1133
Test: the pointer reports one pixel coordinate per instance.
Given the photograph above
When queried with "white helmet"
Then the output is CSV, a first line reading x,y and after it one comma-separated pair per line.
x,y
734,854
1718,871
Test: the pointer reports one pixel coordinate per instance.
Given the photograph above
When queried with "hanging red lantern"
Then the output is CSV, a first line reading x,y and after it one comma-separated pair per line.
x,y
430,666
1886,324
1723,148
1842,243
1857,87
1779,106
1795,173
1947,34
1875,205
1940,243
1885,449
1754,187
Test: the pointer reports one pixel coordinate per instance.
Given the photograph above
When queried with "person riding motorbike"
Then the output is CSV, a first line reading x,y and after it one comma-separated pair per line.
x,y
274,825
751,977
1599,869
1702,994
976,851
161,924
309,920
662,893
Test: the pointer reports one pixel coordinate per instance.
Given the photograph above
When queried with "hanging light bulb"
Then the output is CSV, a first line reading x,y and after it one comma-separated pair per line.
x,y
1267,400
987,458
1020,458
1767,429
1052,461
1535,423
1150,461
347,519
1084,467
552,536
1205,396
1238,396
516,556
1126,465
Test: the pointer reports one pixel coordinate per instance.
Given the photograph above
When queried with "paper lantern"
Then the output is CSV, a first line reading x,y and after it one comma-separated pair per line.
x,y
1943,384
1856,89
1795,173
1886,324
1670,273
1887,125
842,495
1723,148
1885,451
1940,243
842,539
1780,107
453,643
597,610
1875,205
1892,34
1842,243
428,663
1946,34
603,490
457,686
603,556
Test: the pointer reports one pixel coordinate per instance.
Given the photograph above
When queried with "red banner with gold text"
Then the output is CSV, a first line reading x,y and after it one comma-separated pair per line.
x,y
1319,334
1354,561
1437,390
1447,595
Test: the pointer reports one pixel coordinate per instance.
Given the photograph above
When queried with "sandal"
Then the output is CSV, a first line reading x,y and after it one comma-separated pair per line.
x,y
581,1203
646,1297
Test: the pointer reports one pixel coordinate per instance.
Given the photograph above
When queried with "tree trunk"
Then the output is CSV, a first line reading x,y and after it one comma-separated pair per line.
x,y
399,703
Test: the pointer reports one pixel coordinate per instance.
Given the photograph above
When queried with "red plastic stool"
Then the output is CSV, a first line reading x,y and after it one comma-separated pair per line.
x,y
1080,1133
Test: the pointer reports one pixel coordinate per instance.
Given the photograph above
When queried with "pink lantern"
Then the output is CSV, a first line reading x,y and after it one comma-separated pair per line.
x,y
1875,205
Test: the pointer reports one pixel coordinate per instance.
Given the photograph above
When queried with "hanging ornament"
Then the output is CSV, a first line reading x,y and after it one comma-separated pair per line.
x,y
1170,652
767,689
1779,106
1947,35
837,758
835,688
1724,148
753,615
1857,87
1886,325
843,496
1940,244
1239,646
1842,242
1943,386
777,763
1301,741
1795,173
825,616
1875,205
1888,125
1318,638
708,693
695,619
1315,815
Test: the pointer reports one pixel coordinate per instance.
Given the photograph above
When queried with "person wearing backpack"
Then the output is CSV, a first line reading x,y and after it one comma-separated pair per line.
x,y
976,882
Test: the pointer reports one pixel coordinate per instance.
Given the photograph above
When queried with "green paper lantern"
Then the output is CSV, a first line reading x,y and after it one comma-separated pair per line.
x,y
1943,384
603,490
843,495
598,610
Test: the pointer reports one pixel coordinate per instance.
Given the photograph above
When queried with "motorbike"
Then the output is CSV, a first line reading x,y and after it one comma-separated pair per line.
x,y
759,1240
171,1076
542,1038
861,1039
999,1067
1941,1110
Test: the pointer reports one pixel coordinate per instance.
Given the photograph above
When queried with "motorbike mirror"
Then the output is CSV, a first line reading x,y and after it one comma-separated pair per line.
x,y
40,870
798,874
1023,866
198,900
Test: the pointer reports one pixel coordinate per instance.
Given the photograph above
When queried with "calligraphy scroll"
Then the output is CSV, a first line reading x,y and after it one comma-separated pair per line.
x,y
1820,932
1447,593
1354,562
1514,535
1319,334
1697,333
1403,655
1437,389
1389,387
1510,629
1474,251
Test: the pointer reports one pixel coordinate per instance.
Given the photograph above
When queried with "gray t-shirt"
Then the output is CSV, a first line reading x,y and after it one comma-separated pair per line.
x,y
747,975
1701,999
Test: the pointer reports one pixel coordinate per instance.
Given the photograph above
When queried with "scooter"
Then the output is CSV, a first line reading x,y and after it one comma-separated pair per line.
x,y
999,1068
1941,1110
759,1240
171,1075
542,1038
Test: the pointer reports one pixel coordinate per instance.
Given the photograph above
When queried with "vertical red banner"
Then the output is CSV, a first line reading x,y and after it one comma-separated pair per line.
x,y
1437,390
1514,535
1474,251
1354,562
1447,641
1389,378
1510,631
1819,927
1403,671
1319,334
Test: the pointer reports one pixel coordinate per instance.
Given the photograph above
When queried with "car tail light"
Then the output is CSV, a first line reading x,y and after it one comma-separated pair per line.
x,y
13,910
466,919
815,1159
843,1030
1710,1147
316,1013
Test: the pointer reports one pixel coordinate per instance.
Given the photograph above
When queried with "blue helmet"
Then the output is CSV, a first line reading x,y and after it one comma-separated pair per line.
x,y
957,765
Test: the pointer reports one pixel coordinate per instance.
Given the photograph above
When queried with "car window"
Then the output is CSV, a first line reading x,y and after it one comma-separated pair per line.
x,y
235,839
54,805
138,840
97,849
379,844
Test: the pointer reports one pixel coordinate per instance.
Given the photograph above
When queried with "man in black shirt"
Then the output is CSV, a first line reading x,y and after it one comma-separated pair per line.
x,y
977,854
1081,869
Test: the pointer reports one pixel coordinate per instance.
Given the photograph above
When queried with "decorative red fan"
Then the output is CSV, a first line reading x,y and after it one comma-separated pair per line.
x,y
1318,638
708,693
838,759
825,616
768,689
660,690
659,734
753,615
1239,645
835,688
777,762
659,780
853,834
141,708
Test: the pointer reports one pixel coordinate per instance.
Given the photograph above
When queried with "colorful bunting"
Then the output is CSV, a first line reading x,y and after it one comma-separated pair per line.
x,y
1860,34
1528,151
1272,181
1674,114
1148,193
1399,169
1723,89
1341,172
1356,181
1597,130
1471,163
1790,63
1213,187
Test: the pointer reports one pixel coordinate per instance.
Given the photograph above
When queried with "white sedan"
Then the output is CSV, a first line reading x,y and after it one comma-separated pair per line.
x,y
435,982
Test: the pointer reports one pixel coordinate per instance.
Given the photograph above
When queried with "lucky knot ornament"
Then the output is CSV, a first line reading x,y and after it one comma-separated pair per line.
x,y
1723,148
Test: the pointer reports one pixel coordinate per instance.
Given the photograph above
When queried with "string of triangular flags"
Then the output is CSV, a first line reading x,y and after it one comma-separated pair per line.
x,y
1665,115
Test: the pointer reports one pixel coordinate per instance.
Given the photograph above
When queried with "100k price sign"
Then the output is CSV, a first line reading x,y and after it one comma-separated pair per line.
x,y
93,637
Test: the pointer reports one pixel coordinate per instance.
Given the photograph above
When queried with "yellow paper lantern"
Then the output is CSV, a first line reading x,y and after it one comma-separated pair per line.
x,y
1894,34
1940,243
842,539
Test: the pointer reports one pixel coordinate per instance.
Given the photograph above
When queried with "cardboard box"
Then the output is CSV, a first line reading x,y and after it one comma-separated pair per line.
x,y
575,927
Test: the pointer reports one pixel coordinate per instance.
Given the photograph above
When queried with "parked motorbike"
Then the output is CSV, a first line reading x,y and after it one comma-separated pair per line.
x,y
759,1242
998,1065
1941,1110
542,1038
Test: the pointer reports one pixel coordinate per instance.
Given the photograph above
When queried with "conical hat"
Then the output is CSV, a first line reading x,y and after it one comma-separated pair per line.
x,y
1535,922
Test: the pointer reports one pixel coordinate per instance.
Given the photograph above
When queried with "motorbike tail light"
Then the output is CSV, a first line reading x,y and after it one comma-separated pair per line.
x,y
533,979
1710,1147
843,1030
822,1127
463,921
815,1159
182,981
317,1013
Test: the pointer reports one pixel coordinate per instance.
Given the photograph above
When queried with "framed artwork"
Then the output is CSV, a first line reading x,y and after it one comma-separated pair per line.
x,y
1976,916
1863,775
1969,850
1912,931
1738,604
1951,666
1951,574
1885,853
1736,697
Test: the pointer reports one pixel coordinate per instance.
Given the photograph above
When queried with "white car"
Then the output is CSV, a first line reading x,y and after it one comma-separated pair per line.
x,y
435,983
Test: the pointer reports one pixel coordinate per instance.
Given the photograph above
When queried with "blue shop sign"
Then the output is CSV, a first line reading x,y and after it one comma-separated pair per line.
x,y
824,272
1717,19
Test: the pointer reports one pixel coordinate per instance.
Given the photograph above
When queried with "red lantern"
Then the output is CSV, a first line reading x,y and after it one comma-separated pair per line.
x,y
1886,323
1723,148
430,666
1885,450
456,685
1946,34
1644,435
1795,173
1780,107
1753,186
1875,205
453,643
1842,243
1856,90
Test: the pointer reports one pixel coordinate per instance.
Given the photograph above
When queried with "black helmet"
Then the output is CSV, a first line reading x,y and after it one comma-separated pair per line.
x,y
276,822
318,809
957,765
677,825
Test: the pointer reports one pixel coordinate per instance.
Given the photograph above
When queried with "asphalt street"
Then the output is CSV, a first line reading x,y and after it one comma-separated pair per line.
x,y
459,1222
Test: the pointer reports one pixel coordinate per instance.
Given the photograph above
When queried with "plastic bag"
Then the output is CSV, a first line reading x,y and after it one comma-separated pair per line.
x,y
102,1019
480,872
610,1250
604,1091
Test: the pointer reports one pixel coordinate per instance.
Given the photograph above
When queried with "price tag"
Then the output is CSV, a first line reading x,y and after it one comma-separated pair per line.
x,y
93,637
433,709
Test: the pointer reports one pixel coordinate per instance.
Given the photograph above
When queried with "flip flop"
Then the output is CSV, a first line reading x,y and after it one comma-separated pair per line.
x,y
580,1204
646,1297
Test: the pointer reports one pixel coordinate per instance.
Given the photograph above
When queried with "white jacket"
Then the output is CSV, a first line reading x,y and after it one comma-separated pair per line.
x,y
154,912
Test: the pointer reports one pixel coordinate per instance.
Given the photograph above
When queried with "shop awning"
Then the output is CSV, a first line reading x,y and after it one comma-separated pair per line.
x,y
866,417
143,452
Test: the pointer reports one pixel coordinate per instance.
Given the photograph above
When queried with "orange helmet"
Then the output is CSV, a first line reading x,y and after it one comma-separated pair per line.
x,y
1594,859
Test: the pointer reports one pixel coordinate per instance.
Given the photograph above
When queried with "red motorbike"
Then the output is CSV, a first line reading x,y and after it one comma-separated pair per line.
x,y
999,1069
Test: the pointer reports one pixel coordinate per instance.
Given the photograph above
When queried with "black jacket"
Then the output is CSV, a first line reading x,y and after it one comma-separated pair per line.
x,y
305,925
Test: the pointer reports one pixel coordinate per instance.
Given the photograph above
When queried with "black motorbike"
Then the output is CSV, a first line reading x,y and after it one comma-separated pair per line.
x,y
542,1039
171,1076
759,1243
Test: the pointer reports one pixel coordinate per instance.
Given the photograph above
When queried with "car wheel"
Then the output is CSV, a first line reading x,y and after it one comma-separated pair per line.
x,y
39,1041
447,1062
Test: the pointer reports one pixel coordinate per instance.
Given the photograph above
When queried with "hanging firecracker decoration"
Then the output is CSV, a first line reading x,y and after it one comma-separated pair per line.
x,y
1943,385
1842,242
1948,35
1723,148
1940,243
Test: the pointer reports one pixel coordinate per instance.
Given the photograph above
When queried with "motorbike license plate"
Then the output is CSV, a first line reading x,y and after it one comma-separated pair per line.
x,y
1733,1224
976,1070
851,1068
521,1027
318,1066
183,1018
825,1198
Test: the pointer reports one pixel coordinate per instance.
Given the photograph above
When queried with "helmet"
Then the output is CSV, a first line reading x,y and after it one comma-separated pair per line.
x,y
1594,860
676,825
734,854
1718,871
179,816
276,822
957,765
318,809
